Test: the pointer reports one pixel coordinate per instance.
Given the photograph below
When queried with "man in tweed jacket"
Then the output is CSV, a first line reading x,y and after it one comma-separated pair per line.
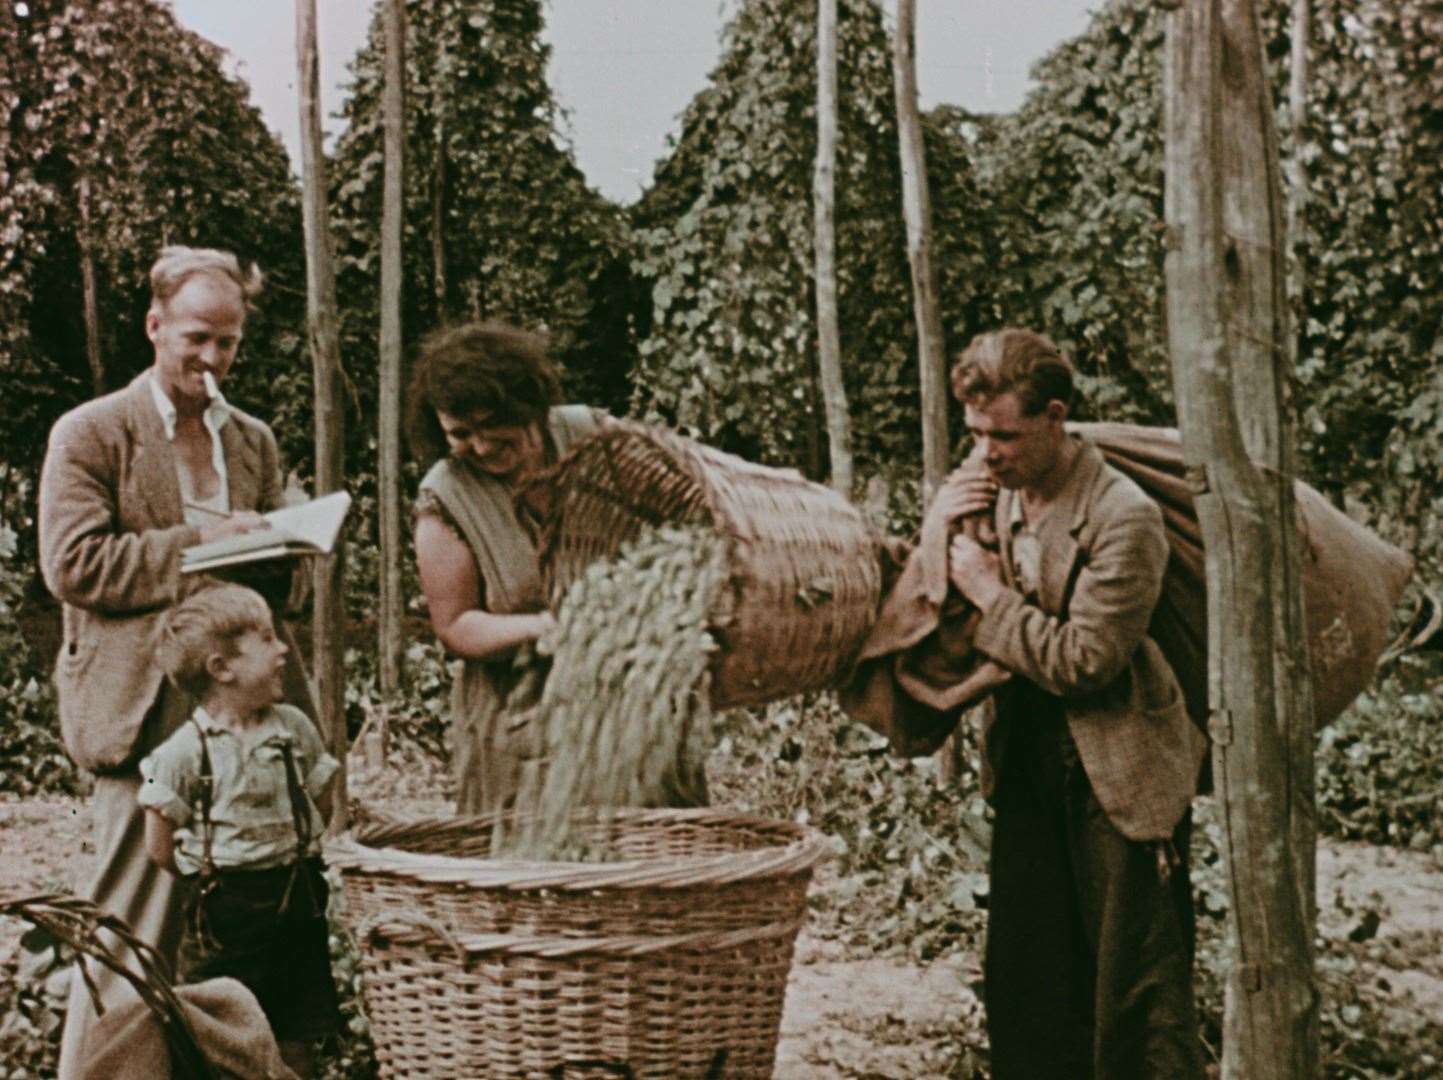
x,y
129,481
1090,760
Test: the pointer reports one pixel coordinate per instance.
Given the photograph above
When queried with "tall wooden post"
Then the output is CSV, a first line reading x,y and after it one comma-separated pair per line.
x,y
1232,361
829,338
328,623
388,467
440,83
917,209
1297,169
85,240
931,349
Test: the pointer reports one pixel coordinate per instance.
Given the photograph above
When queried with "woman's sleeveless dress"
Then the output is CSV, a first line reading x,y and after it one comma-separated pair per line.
x,y
488,757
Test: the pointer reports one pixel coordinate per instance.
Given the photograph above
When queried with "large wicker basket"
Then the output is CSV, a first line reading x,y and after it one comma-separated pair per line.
x,y
804,572
669,963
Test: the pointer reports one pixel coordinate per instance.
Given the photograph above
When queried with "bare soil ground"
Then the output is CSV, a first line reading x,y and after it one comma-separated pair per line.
x,y
876,1017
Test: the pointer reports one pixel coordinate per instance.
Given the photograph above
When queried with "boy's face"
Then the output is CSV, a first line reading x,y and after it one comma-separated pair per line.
x,y
253,671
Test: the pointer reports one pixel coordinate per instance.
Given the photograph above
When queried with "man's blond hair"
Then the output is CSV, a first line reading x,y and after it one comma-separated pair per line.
x,y
205,624
177,264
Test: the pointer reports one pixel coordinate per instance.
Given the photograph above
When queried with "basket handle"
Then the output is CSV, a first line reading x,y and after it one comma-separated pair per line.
x,y
391,921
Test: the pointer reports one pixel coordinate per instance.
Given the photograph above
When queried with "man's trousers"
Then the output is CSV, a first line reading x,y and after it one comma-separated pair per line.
x,y
1088,968
126,883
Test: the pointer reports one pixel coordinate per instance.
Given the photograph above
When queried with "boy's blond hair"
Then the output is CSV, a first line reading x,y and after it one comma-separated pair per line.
x,y
205,624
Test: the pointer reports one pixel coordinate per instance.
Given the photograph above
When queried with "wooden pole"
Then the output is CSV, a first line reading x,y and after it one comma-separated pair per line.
x,y
388,467
931,349
328,622
829,337
917,209
1297,168
1232,360
438,184
87,286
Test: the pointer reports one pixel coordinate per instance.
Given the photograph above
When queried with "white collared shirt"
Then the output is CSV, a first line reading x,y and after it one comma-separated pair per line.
x,y
215,417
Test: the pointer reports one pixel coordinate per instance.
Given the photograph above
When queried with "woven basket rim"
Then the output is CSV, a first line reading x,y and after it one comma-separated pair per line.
x,y
681,449
370,850
692,458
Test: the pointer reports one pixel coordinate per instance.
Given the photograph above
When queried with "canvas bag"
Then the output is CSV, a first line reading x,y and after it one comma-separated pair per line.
x,y
917,671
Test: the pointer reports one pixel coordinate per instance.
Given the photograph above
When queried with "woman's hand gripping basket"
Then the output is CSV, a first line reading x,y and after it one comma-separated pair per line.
x,y
803,565
670,960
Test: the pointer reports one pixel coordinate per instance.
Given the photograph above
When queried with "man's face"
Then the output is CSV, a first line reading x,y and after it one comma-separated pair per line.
x,y
195,331
1019,451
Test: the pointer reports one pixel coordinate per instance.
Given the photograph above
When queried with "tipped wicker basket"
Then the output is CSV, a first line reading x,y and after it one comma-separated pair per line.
x,y
669,963
804,570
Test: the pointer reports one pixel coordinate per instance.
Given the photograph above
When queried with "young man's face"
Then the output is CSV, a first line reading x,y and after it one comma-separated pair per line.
x,y
1019,451
195,331
256,667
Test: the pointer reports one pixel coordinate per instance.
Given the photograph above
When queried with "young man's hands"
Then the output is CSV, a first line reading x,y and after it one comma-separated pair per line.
x,y
967,490
974,570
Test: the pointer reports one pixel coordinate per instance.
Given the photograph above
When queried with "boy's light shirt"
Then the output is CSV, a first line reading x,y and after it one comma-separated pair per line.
x,y
251,823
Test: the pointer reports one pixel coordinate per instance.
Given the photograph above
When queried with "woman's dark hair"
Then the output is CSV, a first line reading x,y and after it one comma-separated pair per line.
x,y
489,368
1013,361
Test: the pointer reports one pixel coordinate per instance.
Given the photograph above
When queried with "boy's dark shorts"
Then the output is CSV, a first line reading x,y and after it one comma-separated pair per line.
x,y
283,958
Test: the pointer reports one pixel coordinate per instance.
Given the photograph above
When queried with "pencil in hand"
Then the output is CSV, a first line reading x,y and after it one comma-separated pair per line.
x,y
206,510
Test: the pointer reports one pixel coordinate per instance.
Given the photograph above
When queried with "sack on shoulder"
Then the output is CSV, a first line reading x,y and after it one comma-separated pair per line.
x,y
917,673
1352,578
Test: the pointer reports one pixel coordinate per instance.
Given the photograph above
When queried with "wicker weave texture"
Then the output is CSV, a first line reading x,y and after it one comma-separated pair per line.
x,y
804,571
670,962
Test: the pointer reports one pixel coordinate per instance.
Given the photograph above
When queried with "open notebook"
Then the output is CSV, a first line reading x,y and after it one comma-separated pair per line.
x,y
308,529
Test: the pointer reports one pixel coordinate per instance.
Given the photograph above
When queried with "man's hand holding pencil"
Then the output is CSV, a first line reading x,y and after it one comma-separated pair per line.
x,y
242,521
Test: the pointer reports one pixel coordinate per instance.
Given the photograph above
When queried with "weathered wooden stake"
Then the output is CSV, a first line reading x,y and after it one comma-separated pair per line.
x,y
438,185
917,209
1297,168
1232,363
388,467
931,348
829,338
328,620
87,285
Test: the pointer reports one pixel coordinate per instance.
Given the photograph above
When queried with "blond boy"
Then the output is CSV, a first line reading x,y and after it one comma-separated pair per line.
x,y
234,803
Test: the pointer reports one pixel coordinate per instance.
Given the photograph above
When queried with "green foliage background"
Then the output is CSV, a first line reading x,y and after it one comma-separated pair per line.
x,y
116,92
524,239
725,241
725,244
695,306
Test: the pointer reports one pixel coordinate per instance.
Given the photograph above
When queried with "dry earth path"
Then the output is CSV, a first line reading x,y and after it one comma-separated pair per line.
x,y
875,1018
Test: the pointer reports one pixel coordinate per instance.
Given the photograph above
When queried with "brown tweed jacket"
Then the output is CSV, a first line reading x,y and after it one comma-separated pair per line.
x,y
111,534
1102,556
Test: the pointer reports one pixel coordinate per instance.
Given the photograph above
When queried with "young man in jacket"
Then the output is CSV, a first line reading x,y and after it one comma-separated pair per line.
x,y
1090,759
